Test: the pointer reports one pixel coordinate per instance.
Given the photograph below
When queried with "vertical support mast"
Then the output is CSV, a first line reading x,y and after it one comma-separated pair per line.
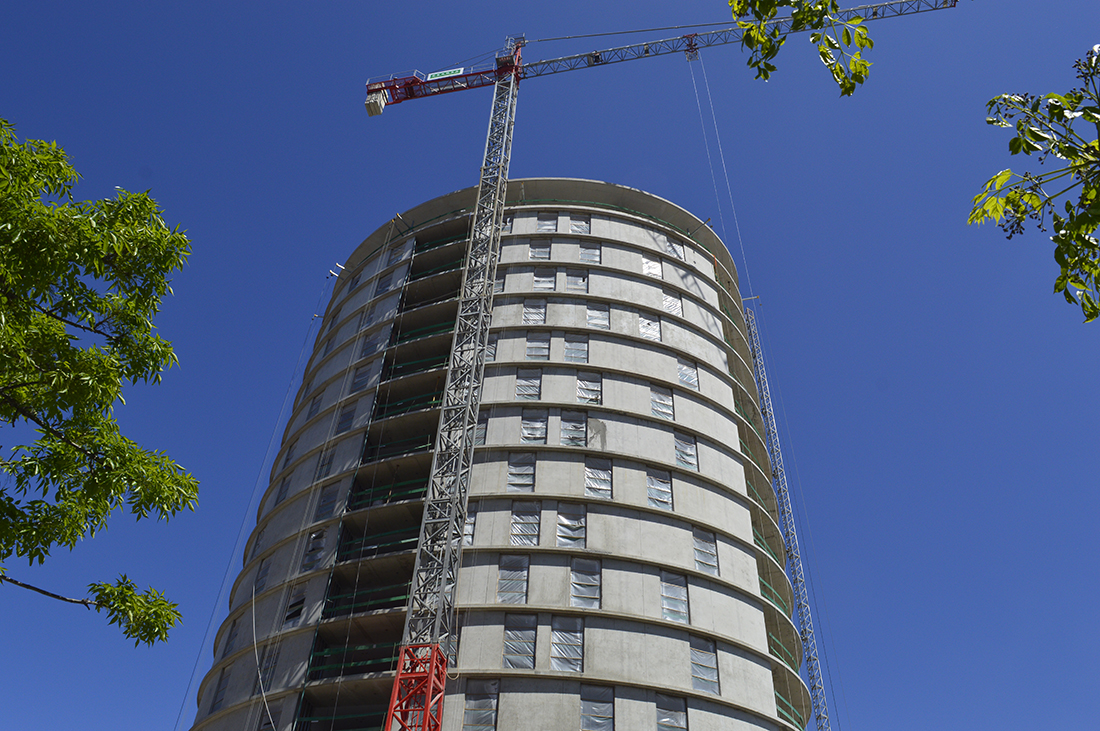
x,y
790,535
430,640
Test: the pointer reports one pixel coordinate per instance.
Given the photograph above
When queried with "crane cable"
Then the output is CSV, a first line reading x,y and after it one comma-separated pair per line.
x,y
748,280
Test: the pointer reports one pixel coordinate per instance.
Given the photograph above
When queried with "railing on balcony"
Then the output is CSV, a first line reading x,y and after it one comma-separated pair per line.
x,y
422,246
321,721
333,662
377,544
758,539
773,596
780,651
394,447
405,405
787,711
426,331
449,266
366,600
410,367
389,493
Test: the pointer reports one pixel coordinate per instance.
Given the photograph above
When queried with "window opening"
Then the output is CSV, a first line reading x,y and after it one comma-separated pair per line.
x,y
567,644
597,477
519,640
659,489
521,472
512,580
584,583
660,403
674,597
525,523
589,388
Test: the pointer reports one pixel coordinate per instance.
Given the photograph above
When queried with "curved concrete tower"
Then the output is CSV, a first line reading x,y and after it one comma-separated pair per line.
x,y
622,568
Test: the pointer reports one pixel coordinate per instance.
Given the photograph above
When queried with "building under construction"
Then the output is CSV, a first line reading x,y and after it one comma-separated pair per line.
x,y
622,563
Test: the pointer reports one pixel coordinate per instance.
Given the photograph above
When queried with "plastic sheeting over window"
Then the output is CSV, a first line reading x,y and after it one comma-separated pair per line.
x,y
383,284
295,604
261,575
534,312
512,580
576,348
538,346
469,526
589,388
590,253
599,316
324,464
597,708
519,640
480,710
572,520
314,548
521,472
525,523
491,348
576,280
597,477
367,318
547,222
327,504
706,551
584,583
659,489
532,427
498,283
528,384
347,418
540,250
687,455
704,665
544,280
671,713
651,267
374,343
574,429
672,304
688,373
506,224
267,669
649,327
674,597
580,224
481,431
660,403
567,644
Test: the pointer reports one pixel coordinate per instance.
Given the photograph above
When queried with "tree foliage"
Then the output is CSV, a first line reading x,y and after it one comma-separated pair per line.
x,y
840,43
1067,199
79,285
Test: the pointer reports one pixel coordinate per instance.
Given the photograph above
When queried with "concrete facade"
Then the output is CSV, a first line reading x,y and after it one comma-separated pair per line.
x,y
623,567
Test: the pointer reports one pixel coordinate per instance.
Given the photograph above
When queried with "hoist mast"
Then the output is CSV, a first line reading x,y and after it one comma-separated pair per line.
x,y
430,640
790,533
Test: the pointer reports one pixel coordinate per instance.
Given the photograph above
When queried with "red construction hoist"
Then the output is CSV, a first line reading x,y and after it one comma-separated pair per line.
x,y
430,640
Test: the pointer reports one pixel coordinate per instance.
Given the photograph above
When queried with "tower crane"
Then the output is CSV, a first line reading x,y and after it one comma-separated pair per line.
x,y
430,639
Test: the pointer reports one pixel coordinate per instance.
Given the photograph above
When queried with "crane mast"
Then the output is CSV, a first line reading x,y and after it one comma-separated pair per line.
x,y
790,533
430,639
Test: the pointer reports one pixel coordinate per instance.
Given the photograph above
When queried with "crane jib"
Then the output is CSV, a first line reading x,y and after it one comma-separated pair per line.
x,y
396,89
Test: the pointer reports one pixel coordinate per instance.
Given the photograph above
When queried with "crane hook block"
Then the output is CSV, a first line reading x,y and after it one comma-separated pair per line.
x,y
375,103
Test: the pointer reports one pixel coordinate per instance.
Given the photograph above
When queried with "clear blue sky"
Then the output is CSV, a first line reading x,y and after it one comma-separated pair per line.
x,y
938,397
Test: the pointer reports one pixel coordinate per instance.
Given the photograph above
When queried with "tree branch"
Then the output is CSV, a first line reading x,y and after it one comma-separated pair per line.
x,y
88,603
28,414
